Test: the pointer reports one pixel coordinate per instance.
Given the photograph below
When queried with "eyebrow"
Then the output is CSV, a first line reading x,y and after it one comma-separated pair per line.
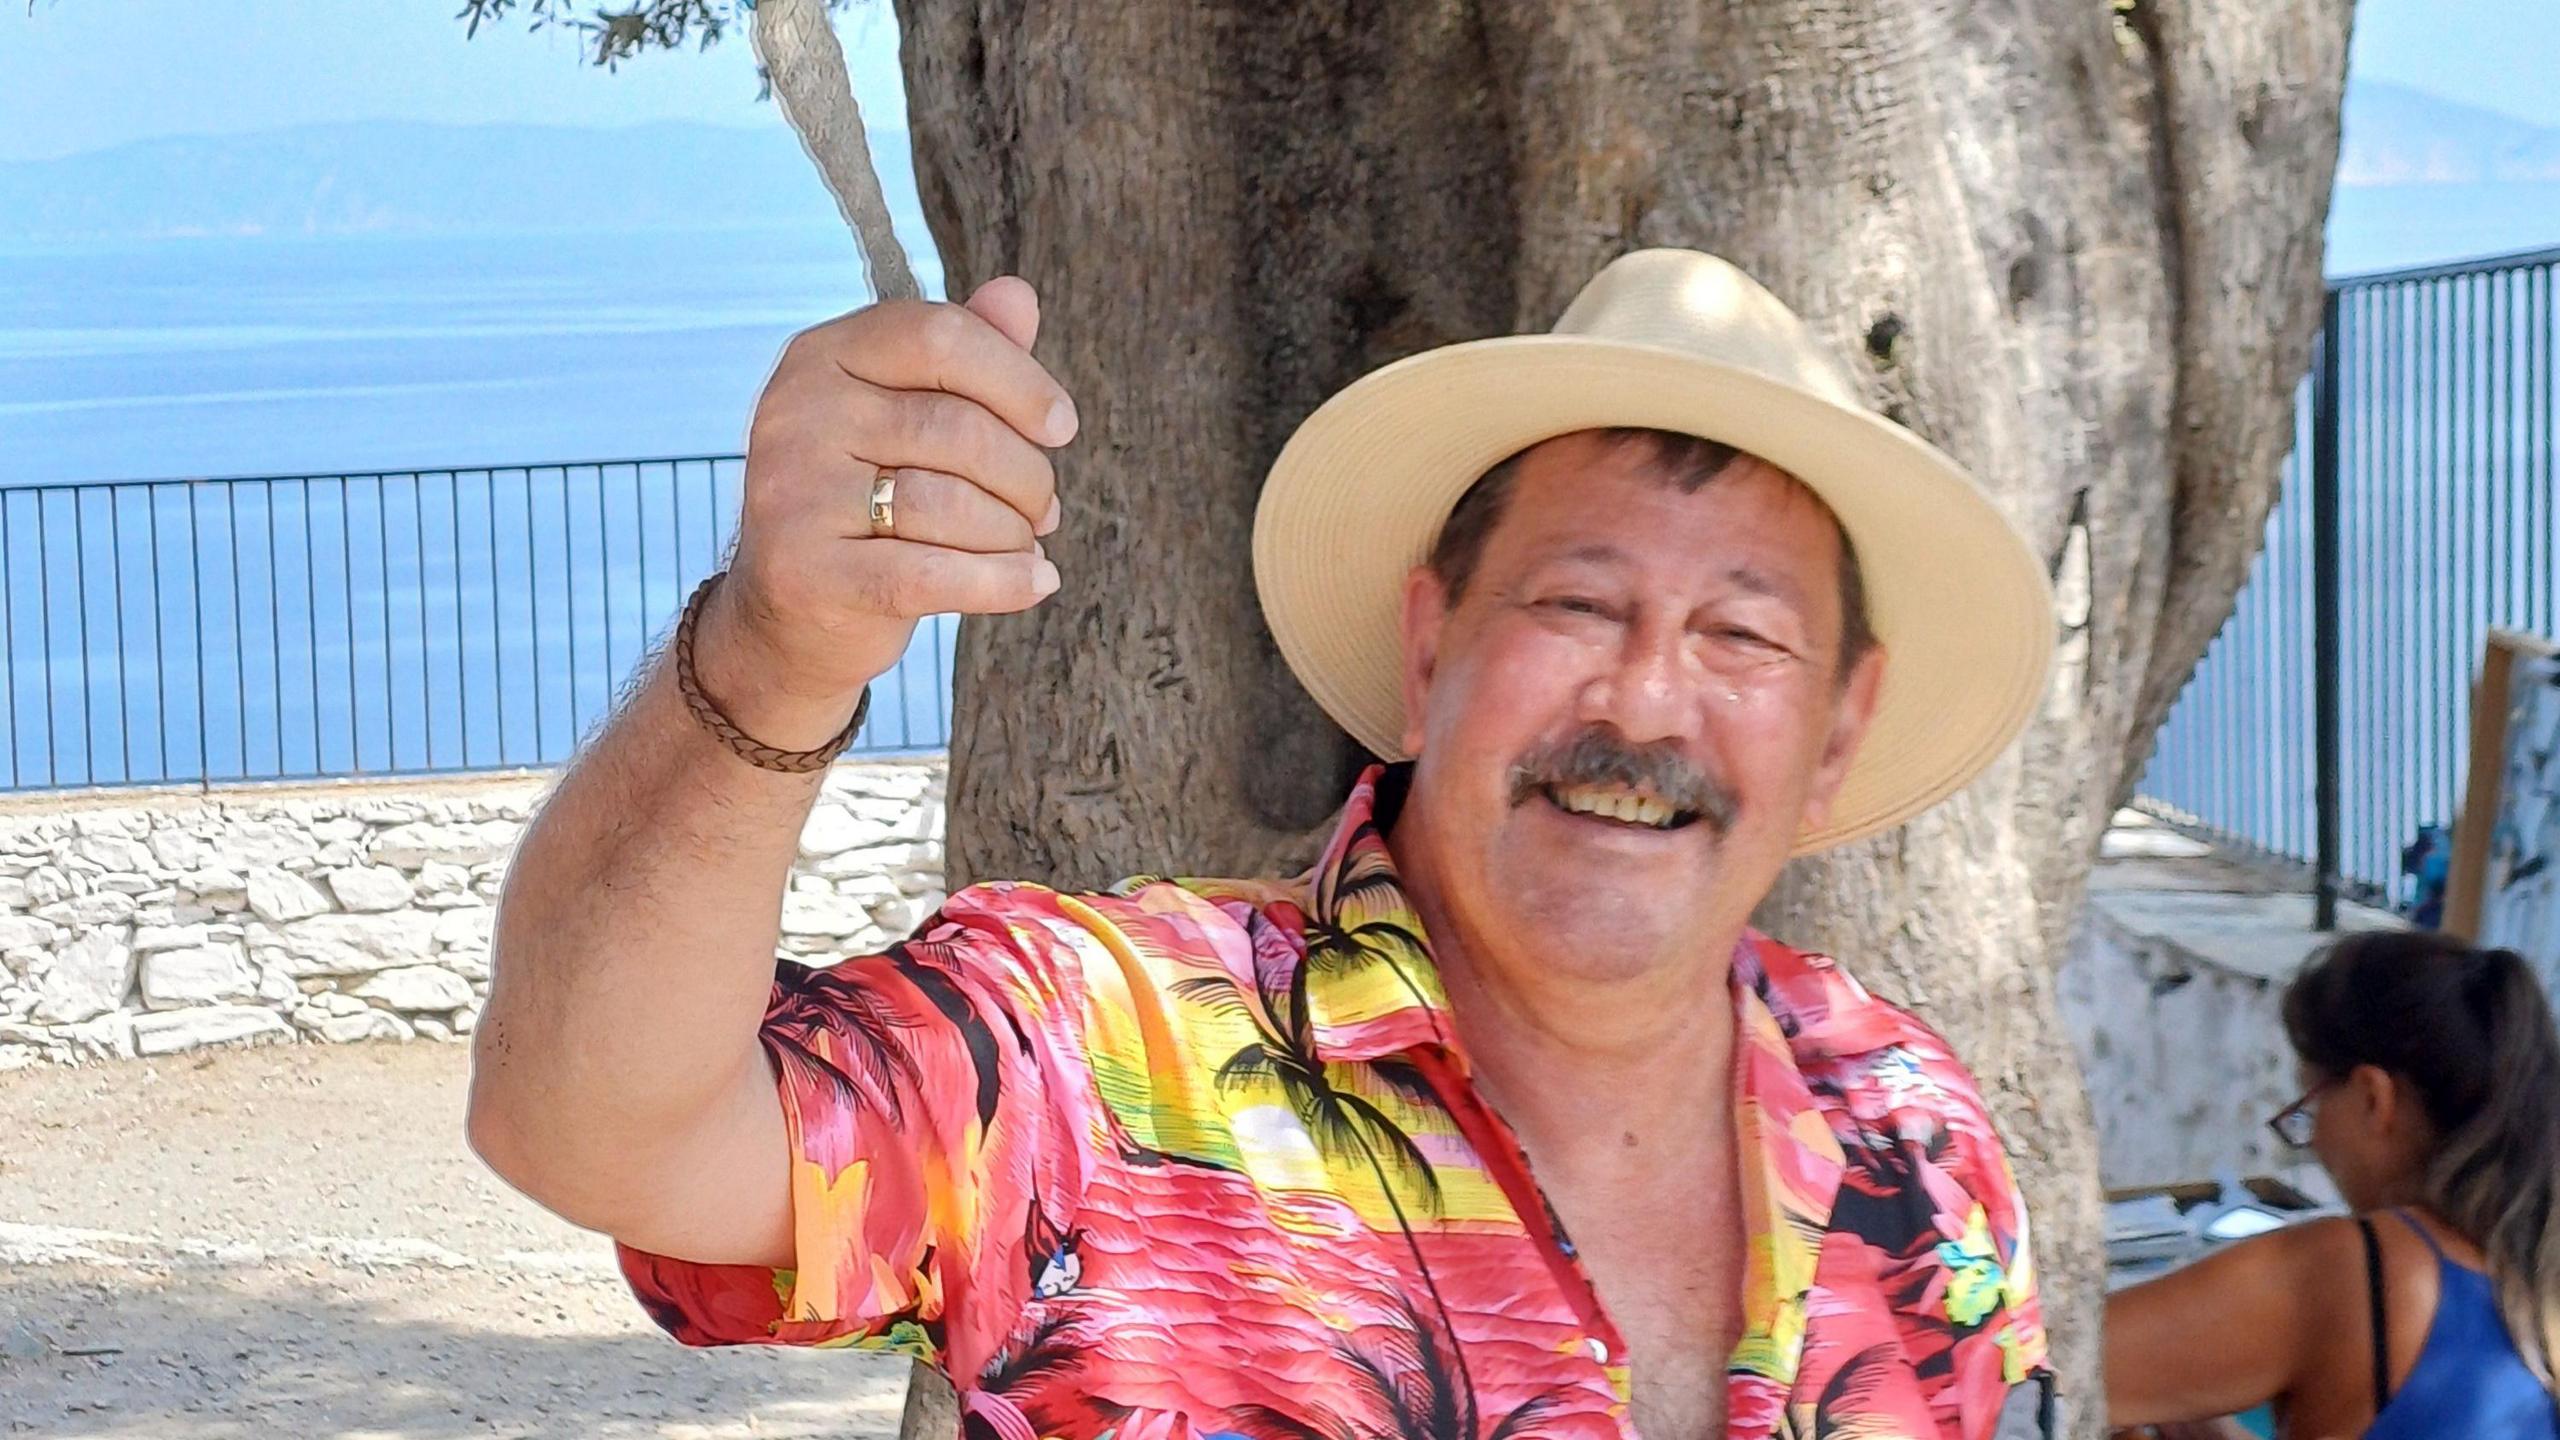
x,y
1741,577
1776,587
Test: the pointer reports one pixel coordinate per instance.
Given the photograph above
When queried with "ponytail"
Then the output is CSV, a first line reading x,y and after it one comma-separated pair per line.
x,y
2472,1033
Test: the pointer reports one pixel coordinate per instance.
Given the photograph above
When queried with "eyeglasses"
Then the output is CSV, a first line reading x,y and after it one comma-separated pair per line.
x,y
2294,1123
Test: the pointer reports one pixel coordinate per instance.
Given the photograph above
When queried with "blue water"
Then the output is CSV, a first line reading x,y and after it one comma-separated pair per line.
x,y
347,621
283,355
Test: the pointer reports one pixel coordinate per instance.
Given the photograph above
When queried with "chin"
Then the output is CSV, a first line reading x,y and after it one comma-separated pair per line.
x,y
1597,937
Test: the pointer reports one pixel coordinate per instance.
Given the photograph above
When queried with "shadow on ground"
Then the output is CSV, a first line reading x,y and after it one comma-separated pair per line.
x,y
314,1351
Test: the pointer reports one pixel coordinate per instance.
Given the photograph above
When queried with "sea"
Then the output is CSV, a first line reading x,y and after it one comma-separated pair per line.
x,y
289,506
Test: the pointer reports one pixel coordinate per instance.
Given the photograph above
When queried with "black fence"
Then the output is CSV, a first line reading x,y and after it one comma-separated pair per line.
x,y
309,626
2328,724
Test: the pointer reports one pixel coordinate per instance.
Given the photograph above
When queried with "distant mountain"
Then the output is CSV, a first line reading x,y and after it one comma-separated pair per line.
x,y
2399,136
399,177
2487,180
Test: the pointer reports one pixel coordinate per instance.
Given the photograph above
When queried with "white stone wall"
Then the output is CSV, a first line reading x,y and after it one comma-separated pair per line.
x,y
147,922
2173,992
2184,1059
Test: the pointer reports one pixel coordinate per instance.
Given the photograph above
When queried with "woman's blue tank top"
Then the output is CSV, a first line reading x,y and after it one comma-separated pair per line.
x,y
2469,1381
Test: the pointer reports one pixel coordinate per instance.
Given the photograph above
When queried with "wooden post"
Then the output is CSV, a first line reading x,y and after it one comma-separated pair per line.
x,y
2464,885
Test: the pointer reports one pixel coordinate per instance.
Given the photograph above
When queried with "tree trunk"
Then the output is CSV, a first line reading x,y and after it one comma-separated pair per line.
x,y
2077,246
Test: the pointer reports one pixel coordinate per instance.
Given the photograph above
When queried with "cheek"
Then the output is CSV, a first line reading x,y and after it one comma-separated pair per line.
x,y
1775,736
2337,1144
1500,689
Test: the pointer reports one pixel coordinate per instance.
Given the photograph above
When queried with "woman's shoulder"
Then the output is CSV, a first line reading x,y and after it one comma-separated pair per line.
x,y
2313,1259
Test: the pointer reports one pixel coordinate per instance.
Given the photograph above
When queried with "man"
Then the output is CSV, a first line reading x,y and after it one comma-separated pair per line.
x,y
1498,1123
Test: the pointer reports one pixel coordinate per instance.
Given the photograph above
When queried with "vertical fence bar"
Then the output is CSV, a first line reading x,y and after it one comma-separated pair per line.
x,y
311,616
347,586
533,598
9,636
195,613
2545,531
640,546
426,646
239,648
80,615
159,651
604,562
2540,481
124,684
382,558
275,624
569,603
461,647
2326,620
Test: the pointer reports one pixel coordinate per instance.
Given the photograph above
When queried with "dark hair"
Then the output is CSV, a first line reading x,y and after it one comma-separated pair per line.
x,y
1683,460
2471,1032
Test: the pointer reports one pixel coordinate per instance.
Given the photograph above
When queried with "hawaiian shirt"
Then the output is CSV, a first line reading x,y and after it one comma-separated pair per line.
x,y
1202,1159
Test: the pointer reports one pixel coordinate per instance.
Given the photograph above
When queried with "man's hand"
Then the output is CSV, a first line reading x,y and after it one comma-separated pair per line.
x,y
947,401
618,1076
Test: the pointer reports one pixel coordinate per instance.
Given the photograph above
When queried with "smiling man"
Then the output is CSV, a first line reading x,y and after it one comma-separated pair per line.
x,y
1500,1121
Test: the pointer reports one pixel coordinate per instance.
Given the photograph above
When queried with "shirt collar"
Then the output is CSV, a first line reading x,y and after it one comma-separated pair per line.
x,y
1371,987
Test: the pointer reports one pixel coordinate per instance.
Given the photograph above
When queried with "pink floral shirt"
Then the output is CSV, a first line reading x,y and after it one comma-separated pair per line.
x,y
1202,1159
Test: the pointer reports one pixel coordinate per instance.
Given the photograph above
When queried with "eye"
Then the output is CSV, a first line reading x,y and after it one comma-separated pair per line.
x,y
1576,605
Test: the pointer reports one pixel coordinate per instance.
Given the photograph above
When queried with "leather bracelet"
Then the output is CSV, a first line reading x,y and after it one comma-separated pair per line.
x,y
746,747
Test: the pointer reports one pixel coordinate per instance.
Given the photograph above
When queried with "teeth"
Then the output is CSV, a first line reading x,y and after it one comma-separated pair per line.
x,y
1621,805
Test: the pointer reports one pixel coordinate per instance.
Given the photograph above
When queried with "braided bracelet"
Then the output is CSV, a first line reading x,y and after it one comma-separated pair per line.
x,y
746,747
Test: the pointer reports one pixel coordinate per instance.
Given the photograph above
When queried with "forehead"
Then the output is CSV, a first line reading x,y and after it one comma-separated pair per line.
x,y
1587,493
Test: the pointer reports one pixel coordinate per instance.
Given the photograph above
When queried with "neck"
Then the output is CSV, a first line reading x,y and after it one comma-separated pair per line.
x,y
1655,1057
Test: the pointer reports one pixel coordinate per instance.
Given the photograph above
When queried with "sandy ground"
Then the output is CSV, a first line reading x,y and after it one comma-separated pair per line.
x,y
294,1242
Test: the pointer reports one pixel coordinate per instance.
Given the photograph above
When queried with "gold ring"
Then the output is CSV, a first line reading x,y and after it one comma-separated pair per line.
x,y
884,499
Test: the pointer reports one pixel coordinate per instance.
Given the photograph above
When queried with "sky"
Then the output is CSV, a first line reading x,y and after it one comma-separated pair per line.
x,y
80,75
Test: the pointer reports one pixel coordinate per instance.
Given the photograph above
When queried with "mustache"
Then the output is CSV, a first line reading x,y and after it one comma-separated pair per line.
x,y
1599,755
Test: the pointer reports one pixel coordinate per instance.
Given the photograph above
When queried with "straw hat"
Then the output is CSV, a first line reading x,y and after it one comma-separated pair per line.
x,y
1672,340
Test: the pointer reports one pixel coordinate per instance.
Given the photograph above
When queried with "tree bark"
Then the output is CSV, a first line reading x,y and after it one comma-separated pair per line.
x,y
2077,246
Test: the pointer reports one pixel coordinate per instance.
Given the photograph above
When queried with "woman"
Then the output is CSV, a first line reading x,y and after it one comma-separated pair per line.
x,y
2431,1094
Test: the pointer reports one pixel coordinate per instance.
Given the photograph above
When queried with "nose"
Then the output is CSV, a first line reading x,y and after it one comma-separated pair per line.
x,y
1652,691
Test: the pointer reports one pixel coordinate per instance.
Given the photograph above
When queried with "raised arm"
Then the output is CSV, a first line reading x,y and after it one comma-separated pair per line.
x,y
617,1074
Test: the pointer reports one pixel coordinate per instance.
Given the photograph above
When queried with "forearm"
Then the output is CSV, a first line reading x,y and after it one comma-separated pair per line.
x,y
635,937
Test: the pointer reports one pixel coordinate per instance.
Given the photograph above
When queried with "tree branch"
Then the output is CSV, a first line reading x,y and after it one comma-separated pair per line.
x,y
796,42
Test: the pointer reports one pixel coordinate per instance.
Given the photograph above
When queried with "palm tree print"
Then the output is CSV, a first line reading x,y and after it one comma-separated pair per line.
x,y
1008,1391
1344,1124
1418,1388
832,1036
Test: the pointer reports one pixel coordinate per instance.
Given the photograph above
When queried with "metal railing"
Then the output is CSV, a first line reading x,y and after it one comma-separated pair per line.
x,y
2328,723
408,622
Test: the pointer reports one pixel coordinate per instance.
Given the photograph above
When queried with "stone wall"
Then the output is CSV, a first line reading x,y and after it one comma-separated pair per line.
x,y
2173,993
147,922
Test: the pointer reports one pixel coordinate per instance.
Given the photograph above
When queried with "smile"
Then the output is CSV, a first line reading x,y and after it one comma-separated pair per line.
x,y
1633,808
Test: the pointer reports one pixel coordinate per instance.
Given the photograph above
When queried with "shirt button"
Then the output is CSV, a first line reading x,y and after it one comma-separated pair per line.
x,y
1599,1349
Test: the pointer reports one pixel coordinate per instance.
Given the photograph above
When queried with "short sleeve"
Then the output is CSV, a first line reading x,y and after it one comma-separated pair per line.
x,y
1981,1313
930,1095
2007,1355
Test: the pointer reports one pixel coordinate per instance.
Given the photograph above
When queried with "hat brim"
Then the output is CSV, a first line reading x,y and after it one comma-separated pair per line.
x,y
1358,496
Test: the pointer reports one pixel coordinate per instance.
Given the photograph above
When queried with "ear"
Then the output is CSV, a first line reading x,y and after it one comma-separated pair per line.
x,y
1426,614
1851,716
2378,1099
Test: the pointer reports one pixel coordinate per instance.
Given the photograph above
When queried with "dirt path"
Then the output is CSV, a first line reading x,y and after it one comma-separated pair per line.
x,y
294,1242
